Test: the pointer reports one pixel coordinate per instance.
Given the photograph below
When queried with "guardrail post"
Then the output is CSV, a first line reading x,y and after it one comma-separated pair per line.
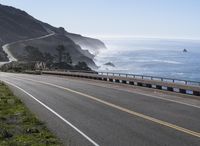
x,y
196,93
105,79
124,81
110,79
139,84
159,87
131,82
99,78
149,85
183,91
170,89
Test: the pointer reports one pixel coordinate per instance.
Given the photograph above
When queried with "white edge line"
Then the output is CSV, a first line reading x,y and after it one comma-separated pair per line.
x,y
51,110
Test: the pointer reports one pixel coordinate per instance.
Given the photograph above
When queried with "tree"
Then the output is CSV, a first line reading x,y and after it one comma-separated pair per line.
x,y
61,50
33,54
63,56
48,58
82,66
68,58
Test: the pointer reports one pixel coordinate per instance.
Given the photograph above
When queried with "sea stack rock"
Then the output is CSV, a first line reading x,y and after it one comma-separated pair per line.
x,y
185,50
109,64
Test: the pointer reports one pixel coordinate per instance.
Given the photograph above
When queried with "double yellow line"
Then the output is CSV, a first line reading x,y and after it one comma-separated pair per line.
x,y
160,122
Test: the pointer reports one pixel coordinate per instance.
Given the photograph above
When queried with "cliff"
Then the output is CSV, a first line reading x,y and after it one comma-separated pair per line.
x,y
18,29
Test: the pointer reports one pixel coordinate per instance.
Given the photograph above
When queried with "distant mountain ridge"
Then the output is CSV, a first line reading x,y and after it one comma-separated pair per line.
x,y
18,28
16,25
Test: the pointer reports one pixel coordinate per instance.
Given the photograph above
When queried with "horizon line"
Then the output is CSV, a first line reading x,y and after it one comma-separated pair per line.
x,y
139,37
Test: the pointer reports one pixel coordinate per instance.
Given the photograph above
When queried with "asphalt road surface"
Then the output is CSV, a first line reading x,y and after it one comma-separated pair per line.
x,y
80,113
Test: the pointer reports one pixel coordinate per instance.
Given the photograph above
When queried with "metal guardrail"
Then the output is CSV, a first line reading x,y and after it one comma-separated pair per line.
x,y
136,76
154,78
168,84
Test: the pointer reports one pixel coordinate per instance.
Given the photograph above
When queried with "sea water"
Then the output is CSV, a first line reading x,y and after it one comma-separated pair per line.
x,y
154,57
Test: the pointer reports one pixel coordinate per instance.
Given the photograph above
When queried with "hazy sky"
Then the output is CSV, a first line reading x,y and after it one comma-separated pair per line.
x,y
149,18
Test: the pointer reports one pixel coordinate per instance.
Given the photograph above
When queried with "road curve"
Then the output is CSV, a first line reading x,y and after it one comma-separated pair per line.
x,y
80,113
9,54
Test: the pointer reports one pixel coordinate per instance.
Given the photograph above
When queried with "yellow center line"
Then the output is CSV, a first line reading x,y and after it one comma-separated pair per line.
x,y
160,122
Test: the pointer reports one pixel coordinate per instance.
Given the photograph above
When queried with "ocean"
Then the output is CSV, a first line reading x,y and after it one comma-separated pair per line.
x,y
154,57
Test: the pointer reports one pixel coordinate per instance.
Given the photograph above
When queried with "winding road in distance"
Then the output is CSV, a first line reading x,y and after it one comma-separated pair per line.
x,y
81,112
9,54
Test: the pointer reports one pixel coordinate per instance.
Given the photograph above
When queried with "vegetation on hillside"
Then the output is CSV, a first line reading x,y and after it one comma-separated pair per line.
x,y
37,60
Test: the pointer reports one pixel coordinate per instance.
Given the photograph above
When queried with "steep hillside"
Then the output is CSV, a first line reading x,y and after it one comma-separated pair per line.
x,y
18,29
86,43
49,44
18,25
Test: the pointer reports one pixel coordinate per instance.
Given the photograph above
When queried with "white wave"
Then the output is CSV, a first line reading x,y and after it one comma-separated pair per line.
x,y
157,60
167,61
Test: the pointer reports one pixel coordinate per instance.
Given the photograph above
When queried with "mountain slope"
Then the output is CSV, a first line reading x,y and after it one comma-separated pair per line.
x,y
49,44
15,25
17,28
86,43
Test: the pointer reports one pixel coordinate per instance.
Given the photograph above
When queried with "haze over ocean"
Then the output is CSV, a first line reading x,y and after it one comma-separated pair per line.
x,y
156,57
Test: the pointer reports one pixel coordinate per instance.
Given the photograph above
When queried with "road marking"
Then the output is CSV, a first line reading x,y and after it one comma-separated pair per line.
x,y
136,92
160,122
55,113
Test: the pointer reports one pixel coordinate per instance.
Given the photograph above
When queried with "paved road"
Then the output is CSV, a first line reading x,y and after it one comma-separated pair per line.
x,y
10,55
80,113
